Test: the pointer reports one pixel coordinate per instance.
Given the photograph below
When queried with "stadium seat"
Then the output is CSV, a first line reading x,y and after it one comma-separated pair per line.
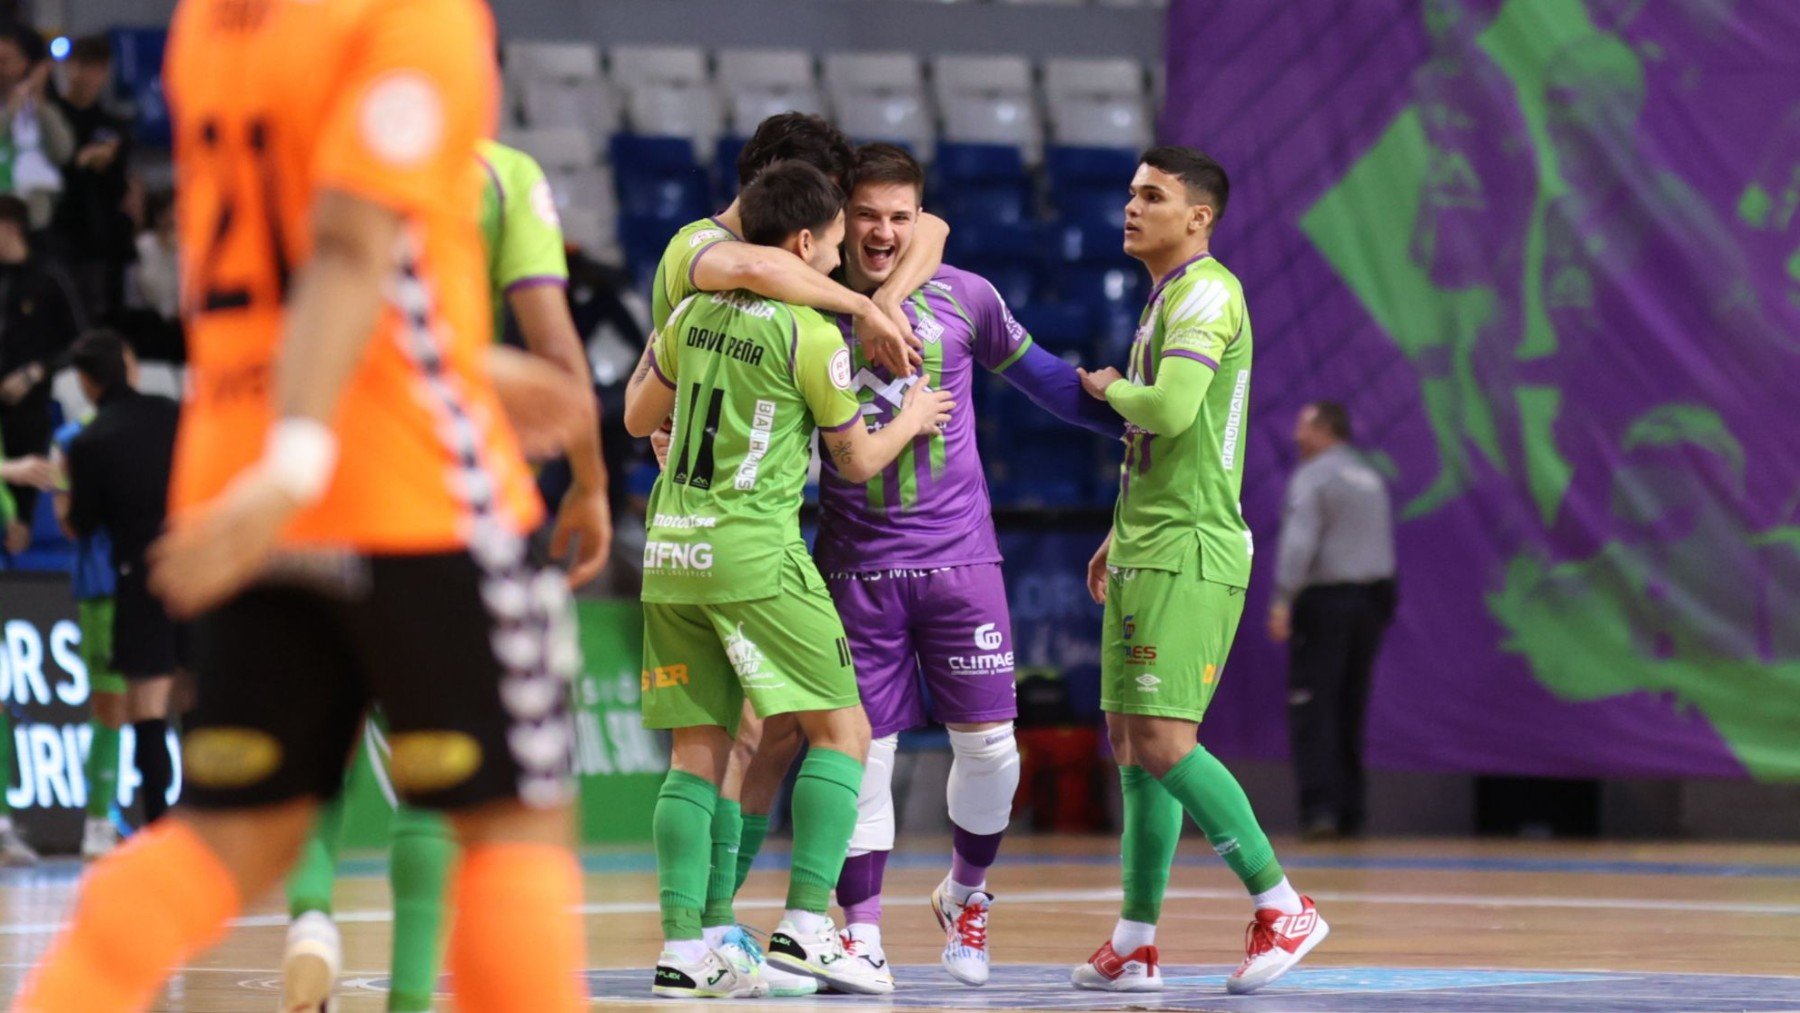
x,y
758,83
981,182
643,239
668,94
1113,293
1089,186
989,100
1005,253
881,97
594,230
1062,328
1066,77
559,84
570,163
1098,102
658,177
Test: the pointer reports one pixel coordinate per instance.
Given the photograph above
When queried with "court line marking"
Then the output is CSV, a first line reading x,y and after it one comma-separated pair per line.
x,y
1109,894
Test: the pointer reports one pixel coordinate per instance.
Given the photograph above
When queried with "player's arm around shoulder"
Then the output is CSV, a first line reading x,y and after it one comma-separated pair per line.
x,y
822,372
650,394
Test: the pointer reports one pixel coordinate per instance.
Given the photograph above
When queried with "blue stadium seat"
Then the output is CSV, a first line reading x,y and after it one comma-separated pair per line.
x,y
1005,253
658,177
1061,328
725,175
643,238
1089,185
1113,293
981,183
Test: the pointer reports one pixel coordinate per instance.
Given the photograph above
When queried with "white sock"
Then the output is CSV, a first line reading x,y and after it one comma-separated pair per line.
x,y
1281,896
688,951
864,932
715,935
959,892
1129,936
806,922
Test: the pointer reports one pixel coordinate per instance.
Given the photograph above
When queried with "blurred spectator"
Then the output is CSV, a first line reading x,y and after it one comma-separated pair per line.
x,y
119,480
1334,597
37,321
35,138
155,281
95,231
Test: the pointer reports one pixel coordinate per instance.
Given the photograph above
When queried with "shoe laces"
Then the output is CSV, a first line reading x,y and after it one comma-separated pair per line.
x,y
1259,938
745,939
971,926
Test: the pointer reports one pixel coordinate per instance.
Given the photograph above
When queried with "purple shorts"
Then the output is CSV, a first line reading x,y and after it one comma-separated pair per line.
x,y
929,642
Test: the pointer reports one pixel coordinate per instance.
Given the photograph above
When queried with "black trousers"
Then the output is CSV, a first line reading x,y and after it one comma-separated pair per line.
x,y
1337,630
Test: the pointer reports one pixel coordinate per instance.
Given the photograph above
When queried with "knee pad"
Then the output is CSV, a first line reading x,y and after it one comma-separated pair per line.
x,y
875,802
984,776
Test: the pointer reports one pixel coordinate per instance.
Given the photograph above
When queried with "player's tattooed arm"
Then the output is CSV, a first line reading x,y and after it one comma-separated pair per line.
x,y
861,455
649,398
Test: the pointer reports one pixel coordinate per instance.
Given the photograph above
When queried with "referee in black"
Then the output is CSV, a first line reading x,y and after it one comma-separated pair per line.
x,y
1334,598
119,480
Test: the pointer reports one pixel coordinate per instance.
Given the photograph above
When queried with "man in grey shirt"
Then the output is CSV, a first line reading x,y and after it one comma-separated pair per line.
x,y
1334,597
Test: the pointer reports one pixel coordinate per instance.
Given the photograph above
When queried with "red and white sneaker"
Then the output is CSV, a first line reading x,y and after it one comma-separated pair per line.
x,y
1274,942
965,933
1106,971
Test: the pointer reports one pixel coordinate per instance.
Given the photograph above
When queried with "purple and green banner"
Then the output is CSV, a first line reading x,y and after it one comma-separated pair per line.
x,y
1548,253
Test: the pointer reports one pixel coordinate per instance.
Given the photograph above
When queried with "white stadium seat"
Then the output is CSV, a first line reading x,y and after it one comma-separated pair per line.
x,y
558,84
989,100
575,61
1066,77
668,93
757,83
881,97
1101,122
570,163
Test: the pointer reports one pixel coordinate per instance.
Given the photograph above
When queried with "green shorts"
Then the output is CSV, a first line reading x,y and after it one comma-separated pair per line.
x,y
95,617
1165,641
787,653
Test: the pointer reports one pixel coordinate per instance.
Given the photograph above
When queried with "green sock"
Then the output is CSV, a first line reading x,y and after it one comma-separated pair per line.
x,y
6,760
1217,802
721,883
309,884
824,817
1152,830
421,852
102,771
682,826
756,827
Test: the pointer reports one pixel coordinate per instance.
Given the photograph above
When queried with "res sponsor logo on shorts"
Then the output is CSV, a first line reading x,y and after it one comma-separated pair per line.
x,y
989,639
662,677
1135,654
686,558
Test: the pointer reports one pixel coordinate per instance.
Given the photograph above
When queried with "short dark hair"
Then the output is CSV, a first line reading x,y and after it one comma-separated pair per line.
x,y
15,212
1204,178
29,41
99,355
800,137
91,49
881,162
785,198
1333,416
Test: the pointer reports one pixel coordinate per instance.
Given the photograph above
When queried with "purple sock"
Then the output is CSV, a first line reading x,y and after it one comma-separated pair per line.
x,y
974,853
859,888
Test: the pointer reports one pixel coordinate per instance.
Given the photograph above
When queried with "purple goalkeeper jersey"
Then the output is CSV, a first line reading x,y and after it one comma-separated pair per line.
x,y
930,508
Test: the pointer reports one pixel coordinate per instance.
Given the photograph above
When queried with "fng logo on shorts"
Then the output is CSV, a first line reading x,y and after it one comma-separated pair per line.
x,y
988,638
678,555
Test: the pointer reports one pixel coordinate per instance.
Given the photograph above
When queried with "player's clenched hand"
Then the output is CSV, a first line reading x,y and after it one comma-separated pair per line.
x,y
1096,572
584,524
926,409
545,402
884,344
211,555
660,442
1095,383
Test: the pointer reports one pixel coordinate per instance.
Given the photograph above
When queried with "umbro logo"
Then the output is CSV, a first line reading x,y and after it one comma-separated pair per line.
x,y
1297,926
1148,681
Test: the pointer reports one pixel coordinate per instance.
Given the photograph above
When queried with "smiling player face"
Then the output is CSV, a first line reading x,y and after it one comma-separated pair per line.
x,y
880,228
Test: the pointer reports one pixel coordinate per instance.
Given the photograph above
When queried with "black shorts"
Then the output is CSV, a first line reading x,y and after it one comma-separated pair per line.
x,y
146,642
471,668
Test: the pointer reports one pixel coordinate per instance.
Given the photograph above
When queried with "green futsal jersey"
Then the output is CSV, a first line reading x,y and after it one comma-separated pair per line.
x,y
675,271
519,226
752,378
1179,494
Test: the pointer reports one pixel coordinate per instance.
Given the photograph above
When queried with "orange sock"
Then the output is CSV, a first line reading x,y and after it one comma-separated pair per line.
x,y
516,942
161,897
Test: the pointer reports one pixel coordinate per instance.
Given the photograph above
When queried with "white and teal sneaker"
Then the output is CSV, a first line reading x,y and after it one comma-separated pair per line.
x,y
741,945
821,954
714,976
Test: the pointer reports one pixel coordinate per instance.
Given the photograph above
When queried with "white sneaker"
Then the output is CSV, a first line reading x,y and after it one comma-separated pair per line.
x,y
869,952
822,955
1107,971
782,984
98,837
13,849
715,976
965,932
309,967
1274,943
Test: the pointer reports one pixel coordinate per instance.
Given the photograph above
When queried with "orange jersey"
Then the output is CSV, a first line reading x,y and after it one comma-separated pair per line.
x,y
273,102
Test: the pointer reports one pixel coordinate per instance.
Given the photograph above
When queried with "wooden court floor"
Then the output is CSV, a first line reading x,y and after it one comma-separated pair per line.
x,y
1483,926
